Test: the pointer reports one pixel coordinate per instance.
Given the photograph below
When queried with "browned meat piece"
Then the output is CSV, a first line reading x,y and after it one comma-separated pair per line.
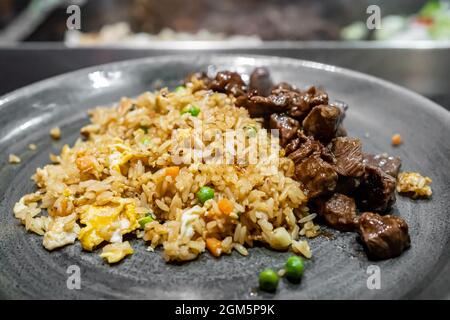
x,y
304,150
302,147
293,145
260,82
383,236
349,157
228,82
327,155
322,122
377,190
317,176
286,125
339,212
389,164
284,86
259,106
315,96
283,98
301,103
299,106
348,185
199,76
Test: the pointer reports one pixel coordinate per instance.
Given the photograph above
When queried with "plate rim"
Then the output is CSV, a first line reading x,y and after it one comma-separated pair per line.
x,y
433,281
48,82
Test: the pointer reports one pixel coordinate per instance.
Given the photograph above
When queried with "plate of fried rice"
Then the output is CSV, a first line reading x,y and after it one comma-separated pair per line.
x,y
147,179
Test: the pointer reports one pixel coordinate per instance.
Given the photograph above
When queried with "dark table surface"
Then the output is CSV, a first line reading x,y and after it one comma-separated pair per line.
x,y
423,68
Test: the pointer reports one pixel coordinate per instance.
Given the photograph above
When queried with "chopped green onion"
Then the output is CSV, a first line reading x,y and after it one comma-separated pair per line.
x,y
179,88
145,220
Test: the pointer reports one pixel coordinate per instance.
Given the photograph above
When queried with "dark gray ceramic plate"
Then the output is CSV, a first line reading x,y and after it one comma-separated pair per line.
x,y
339,267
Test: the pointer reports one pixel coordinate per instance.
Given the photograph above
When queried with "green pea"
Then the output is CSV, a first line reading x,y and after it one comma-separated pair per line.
x,y
204,194
193,110
143,221
268,280
294,268
179,88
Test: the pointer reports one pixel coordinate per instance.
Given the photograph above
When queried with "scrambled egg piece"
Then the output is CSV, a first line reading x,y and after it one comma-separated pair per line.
x,y
61,231
119,155
415,184
115,252
188,218
107,223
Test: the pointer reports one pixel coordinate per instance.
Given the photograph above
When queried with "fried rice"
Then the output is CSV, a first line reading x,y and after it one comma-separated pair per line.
x,y
125,168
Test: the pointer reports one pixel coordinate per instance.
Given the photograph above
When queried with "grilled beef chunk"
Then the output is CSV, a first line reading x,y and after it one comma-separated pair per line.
x,y
339,212
259,106
348,185
285,86
283,98
389,164
377,190
292,146
349,157
228,82
304,150
302,147
383,236
299,106
315,96
260,82
301,103
316,175
286,125
280,100
322,122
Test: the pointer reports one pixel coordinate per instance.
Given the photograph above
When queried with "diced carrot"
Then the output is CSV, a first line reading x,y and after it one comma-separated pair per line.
x,y
396,139
226,206
172,171
214,246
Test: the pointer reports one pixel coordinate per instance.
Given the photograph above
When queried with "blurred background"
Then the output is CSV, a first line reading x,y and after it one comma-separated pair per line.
x,y
147,21
411,47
